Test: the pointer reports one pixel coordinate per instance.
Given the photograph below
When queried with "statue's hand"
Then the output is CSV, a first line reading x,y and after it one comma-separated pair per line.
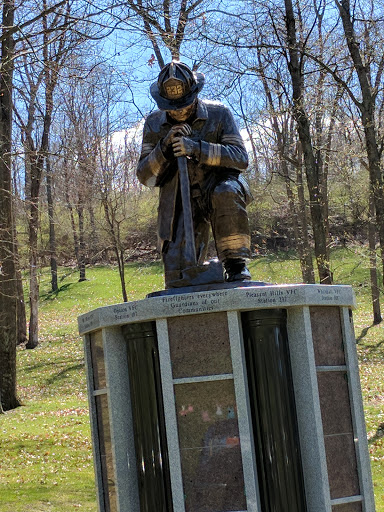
x,y
176,131
183,146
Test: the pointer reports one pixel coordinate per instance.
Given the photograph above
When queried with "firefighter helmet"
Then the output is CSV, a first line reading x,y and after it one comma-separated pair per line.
x,y
177,86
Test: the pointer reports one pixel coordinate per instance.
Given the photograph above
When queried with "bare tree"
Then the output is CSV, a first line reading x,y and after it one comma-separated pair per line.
x,y
375,290
283,131
312,168
364,64
8,291
55,46
117,161
21,25
8,277
51,220
81,99
165,23
267,41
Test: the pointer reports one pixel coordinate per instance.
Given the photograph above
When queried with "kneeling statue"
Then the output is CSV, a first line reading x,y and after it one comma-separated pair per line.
x,y
204,135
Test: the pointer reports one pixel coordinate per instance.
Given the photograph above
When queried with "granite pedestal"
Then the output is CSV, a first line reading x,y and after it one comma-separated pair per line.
x,y
240,399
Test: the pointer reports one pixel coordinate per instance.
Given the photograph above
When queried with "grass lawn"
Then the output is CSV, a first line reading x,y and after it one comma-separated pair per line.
x,y
46,456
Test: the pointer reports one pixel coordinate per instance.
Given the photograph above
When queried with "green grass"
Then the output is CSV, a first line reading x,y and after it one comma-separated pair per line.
x,y
46,455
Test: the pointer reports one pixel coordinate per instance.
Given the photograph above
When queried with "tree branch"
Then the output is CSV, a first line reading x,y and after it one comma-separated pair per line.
x,y
7,31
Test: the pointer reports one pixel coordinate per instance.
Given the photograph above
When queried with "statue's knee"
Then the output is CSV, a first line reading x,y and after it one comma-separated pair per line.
x,y
223,192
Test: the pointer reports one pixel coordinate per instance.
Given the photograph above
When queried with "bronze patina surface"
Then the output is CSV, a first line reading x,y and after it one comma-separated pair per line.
x,y
205,134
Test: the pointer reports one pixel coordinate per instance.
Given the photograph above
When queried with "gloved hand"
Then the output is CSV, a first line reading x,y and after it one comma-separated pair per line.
x,y
183,146
176,131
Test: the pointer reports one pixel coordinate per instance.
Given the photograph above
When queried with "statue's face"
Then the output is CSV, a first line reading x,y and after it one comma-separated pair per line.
x,y
184,113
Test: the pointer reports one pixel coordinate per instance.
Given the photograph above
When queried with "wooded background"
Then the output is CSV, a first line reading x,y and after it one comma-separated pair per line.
x,y
304,79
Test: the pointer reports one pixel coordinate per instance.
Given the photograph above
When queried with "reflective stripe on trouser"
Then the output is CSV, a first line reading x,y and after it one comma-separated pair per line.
x,y
229,220
233,246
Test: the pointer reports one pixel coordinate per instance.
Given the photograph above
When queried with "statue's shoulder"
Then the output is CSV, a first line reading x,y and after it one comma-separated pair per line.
x,y
215,107
154,121
155,116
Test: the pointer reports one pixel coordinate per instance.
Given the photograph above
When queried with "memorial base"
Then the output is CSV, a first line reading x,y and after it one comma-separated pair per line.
x,y
235,399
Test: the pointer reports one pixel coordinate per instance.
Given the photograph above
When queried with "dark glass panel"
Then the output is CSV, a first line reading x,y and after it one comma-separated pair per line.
x,y
148,417
273,411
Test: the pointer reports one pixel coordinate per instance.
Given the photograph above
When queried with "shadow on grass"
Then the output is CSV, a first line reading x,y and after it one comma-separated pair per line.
x,y
371,350
63,373
54,294
40,366
364,332
376,349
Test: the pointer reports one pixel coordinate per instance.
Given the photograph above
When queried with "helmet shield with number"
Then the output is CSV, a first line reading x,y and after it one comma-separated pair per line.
x,y
177,86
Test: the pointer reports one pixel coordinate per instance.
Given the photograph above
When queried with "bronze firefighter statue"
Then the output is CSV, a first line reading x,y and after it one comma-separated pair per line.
x,y
204,135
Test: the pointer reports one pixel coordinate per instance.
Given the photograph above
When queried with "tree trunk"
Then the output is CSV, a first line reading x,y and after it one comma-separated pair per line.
x,y
115,237
327,157
80,213
8,291
297,222
307,266
33,339
375,291
21,314
36,158
311,167
52,233
120,261
93,238
74,231
376,180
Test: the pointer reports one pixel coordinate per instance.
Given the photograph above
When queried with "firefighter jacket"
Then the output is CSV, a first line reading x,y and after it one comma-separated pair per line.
x,y
222,156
